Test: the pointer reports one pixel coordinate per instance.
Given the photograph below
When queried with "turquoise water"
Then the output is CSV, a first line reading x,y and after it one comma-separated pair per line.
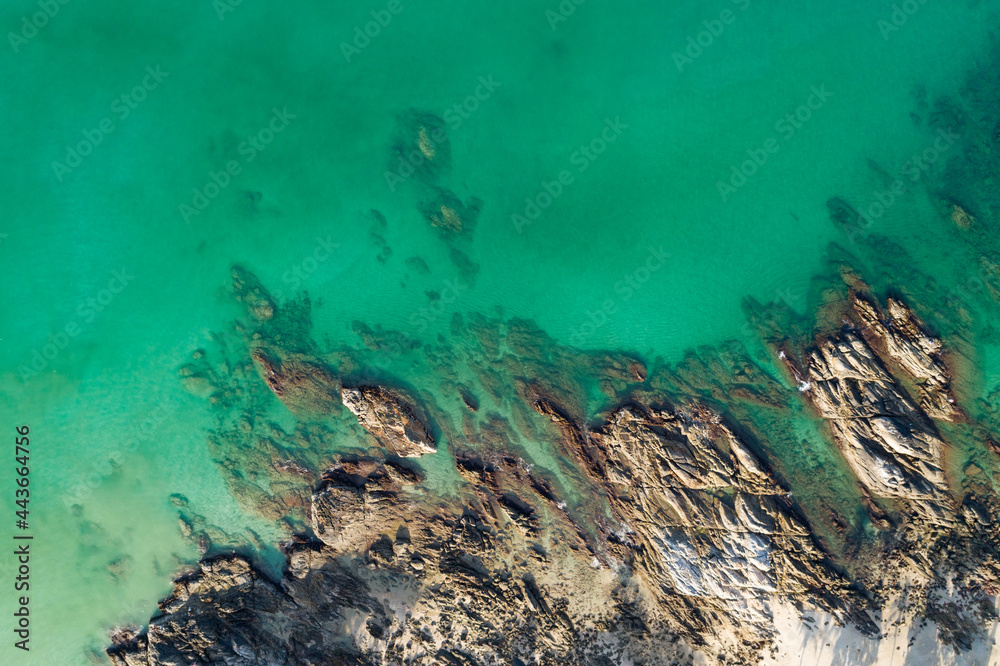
x,y
308,194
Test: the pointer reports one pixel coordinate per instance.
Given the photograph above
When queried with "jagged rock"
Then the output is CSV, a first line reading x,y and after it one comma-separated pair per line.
x,y
660,530
891,445
711,522
901,340
228,612
391,419
706,524
412,587
355,501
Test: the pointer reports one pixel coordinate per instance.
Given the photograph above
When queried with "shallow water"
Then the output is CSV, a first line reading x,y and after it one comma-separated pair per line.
x,y
583,270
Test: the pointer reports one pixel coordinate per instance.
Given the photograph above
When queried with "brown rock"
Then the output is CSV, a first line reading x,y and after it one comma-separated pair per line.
x,y
891,445
900,340
302,383
391,419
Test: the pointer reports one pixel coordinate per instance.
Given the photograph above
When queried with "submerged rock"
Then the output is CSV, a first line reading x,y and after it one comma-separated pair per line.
x,y
249,291
449,213
421,146
961,217
302,383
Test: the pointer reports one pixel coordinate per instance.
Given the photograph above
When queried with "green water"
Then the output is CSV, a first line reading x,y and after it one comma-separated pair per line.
x,y
221,80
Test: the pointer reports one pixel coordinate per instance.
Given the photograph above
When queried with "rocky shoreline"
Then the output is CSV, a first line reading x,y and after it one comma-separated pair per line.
x,y
687,541
501,498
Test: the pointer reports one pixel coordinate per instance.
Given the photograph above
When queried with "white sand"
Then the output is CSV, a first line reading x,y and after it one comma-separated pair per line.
x,y
823,642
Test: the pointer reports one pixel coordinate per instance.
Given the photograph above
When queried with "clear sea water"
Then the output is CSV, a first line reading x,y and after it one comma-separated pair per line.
x,y
223,72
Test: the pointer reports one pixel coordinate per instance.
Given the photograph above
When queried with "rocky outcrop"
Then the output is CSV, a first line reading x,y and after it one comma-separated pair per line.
x,y
708,526
358,500
663,526
701,541
394,583
899,338
391,419
228,612
891,444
